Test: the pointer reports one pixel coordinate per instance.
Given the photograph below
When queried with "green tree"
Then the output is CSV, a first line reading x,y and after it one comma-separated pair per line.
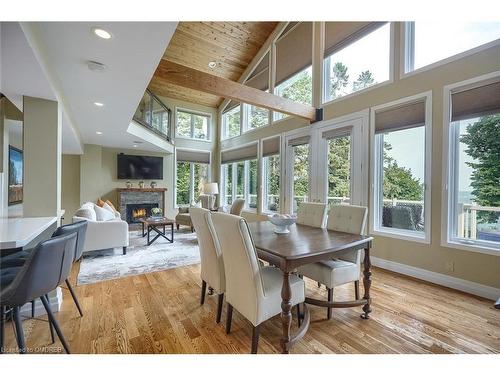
x,y
365,79
338,80
483,145
182,183
301,88
339,167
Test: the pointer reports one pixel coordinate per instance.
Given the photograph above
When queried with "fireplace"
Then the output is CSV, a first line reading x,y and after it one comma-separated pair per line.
x,y
136,211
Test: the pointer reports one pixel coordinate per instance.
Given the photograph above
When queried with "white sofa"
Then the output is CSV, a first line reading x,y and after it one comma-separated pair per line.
x,y
100,234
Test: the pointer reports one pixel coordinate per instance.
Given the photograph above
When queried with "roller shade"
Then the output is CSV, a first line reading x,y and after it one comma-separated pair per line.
x,y
336,133
299,141
232,104
271,146
259,79
239,154
340,34
410,115
193,156
479,101
293,51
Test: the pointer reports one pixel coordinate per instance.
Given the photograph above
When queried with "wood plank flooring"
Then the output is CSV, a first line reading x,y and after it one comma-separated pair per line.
x,y
160,313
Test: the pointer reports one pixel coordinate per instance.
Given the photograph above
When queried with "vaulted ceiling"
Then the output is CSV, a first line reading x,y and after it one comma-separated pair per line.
x,y
231,45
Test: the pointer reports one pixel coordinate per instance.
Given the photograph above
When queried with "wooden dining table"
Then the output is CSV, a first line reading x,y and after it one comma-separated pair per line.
x,y
305,245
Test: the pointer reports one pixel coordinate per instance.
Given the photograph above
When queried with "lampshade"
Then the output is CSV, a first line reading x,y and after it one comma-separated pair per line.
x,y
211,188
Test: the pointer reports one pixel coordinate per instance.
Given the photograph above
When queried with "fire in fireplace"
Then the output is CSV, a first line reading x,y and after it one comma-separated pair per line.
x,y
138,211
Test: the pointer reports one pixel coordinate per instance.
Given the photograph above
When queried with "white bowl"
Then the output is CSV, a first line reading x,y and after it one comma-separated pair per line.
x,y
281,223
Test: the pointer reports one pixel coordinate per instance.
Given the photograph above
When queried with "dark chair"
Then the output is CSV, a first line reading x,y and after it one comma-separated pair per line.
x,y
47,267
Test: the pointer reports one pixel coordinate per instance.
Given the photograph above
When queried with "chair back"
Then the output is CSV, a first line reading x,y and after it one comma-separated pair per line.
x,y
237,207
80,228
212,265
244,288
312,214
47,267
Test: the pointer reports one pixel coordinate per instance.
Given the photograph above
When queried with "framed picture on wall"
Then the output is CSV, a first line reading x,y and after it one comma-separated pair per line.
x,y
15,175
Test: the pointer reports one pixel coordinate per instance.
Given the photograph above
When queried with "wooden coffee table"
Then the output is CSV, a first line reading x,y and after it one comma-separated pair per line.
x,y
152,223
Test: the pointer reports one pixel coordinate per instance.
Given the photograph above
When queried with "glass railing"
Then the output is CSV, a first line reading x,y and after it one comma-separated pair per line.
x,y
154,115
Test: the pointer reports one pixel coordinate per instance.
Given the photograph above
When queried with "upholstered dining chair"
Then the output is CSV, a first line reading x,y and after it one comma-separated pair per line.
x,y
346,268
253,290
237,207
311,214
212,266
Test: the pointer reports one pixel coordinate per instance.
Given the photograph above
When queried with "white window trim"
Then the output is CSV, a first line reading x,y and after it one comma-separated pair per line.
x,y
224,135
262,189
375,171
447,220
326,102
407,43
198,113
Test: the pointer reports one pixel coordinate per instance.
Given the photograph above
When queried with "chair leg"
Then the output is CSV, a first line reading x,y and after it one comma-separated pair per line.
x,y
219,307
330,299
124,251
53,320
21,344
177,225
255,339
33,308
2,329
203,291
356,289
319,285
229,318
51,327
73,295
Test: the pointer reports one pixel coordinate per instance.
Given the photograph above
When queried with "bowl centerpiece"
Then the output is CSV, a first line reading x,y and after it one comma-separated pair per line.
x,y
282,222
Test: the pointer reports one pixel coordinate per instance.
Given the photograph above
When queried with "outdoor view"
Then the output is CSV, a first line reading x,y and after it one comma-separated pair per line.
x,y
272,183
191,125
184,194
478,182
339,170
300,175
232,122
297,88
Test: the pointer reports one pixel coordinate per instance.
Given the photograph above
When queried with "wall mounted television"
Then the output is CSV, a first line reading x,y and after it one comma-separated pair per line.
x,y
138,167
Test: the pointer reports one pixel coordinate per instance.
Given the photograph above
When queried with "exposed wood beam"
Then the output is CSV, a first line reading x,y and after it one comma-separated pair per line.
x,y
184,76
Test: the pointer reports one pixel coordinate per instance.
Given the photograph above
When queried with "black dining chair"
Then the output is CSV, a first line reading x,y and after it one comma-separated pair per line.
x,y
48,265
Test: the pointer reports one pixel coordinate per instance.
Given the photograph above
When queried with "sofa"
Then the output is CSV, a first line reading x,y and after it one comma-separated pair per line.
x,y
104,231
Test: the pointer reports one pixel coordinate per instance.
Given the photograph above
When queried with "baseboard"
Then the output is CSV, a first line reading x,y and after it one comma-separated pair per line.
x,y
55,299
471,287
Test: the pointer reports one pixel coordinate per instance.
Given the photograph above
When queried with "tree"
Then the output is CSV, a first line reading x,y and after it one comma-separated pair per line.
x,y
339,167
182,183
301,88
483,145
364,80
338,80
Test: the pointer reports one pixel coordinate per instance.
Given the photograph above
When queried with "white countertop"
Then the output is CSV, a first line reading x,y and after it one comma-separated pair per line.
x,y
19,231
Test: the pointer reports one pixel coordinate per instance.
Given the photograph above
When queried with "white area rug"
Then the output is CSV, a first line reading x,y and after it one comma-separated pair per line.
x,y
161,255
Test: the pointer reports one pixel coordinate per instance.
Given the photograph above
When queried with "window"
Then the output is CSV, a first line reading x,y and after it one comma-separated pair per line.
x,y
297,88
255,117
192,173
347,68
231,120
183,187
227,176
339,170
400,197
430,42
474,167
271,174
300,185
192,125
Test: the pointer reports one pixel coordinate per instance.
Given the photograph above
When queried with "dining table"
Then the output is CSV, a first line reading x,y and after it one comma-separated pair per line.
x,y
304,245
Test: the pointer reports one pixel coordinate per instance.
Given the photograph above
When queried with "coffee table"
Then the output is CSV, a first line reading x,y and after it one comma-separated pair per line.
x,y
153,223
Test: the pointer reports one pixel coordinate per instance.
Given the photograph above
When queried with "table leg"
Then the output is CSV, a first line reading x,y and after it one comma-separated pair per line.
x,y
164,230
172,231
286,312
367,282
149,231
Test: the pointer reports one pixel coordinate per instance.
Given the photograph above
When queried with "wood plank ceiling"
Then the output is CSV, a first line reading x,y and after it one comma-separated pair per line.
x,y
232,45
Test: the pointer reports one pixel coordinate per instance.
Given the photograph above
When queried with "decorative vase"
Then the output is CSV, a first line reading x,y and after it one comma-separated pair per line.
x,y
141,184
153,184
128,184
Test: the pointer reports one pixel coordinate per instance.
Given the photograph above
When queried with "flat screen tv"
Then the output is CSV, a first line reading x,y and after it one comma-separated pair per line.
x,y
137,167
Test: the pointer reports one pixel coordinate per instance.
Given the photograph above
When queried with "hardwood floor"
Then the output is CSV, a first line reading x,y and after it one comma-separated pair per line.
x,y
160,313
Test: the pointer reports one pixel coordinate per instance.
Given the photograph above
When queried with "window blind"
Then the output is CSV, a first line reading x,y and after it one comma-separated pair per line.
x,y
247,152
299,141
271,146
259,79
193,156
340,34
475,102
336,133
406,116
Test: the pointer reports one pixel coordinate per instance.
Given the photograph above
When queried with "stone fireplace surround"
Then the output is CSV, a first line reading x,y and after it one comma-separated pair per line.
x,y
140,196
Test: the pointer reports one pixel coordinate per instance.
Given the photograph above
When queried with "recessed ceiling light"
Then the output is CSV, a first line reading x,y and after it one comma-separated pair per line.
x,y
98,104
212,64
135,146
98,133
101,33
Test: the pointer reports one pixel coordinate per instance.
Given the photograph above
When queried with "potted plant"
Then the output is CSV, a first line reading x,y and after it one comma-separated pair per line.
x,y
156,212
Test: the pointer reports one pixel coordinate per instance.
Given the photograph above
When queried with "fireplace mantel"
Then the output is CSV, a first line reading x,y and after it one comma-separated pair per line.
x,y
161,190
140,196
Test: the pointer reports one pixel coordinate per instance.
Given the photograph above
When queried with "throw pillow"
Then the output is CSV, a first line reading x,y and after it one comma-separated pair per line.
x,y
109,208
100,202
102,214
111,205
86,213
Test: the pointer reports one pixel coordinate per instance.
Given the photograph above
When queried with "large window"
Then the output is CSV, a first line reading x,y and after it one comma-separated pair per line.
x,y
272,183
244,186
300,177
255,117
192,125
297,88
400,199
474,167
339,169
231,121
192,173
227,177
360,64
429,42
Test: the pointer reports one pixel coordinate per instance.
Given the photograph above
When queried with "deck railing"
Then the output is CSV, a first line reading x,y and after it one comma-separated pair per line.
x,y
153,114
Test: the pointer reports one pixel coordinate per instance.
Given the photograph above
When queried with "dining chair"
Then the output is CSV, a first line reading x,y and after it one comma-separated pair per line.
x,y
251,289
237,207
47,267
346,268
212,265
311,214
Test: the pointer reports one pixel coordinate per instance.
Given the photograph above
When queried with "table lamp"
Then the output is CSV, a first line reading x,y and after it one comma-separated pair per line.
x,y
211,189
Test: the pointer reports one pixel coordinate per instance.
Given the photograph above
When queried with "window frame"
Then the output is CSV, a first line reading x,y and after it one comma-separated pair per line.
x,y
191,175
449,174
262,176
408,52
376,165
224,124
196,113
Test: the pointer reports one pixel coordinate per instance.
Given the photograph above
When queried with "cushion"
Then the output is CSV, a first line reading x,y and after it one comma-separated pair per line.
x,y
103,214
86,213
108,202
106,206
100,202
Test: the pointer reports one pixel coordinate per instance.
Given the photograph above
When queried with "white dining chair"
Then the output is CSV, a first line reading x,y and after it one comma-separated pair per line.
x,y
253,290
212,264
346,268
311,214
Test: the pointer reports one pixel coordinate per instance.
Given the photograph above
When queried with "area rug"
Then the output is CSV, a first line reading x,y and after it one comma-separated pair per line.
x,y
110,264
